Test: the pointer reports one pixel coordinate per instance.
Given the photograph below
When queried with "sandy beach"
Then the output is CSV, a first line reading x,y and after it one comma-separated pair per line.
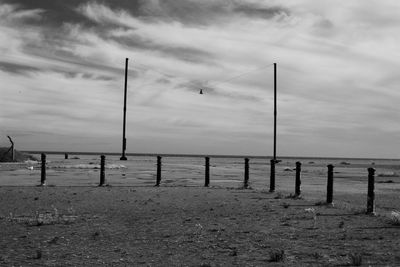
x,y
185,226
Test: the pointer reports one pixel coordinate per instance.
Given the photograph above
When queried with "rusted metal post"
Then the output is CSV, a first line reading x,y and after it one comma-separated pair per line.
x,y
371,193
297,190
207,173
274,161
43,170
158,181
246,173
272,176
329,188
123,156
102,170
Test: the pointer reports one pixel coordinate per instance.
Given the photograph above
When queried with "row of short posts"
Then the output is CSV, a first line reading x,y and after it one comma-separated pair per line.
x,y
207,172
329,187
102,170
43,170
158,176
329,191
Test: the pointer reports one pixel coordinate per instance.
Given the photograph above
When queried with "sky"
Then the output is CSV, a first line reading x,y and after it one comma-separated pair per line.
x,y
62,76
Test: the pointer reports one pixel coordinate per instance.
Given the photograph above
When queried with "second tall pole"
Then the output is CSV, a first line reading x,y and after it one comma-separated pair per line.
x,y
123,157
274,161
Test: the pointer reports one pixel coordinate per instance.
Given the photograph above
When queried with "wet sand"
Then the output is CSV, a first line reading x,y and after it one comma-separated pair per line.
x,y
350,176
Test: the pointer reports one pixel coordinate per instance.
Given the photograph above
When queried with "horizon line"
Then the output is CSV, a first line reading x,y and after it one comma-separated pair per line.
x,y
195,155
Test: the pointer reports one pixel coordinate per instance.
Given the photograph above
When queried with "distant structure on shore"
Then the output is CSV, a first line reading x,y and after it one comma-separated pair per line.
x,y
5,156
11,155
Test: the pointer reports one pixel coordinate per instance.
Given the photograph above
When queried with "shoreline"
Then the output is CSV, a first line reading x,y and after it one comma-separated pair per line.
x,y
201,155
350,180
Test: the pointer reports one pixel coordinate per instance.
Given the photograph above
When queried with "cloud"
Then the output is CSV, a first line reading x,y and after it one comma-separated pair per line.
x,y
189,54
127,33
17,68
62,73
259,11
54,13
12,14
195,13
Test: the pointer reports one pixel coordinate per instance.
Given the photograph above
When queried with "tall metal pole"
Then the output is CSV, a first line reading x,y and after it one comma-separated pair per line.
x,y
123,157
275,112
273,161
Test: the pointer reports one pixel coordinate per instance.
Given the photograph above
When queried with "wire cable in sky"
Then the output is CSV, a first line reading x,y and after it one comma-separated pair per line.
x,y
160,72
242,74
212,84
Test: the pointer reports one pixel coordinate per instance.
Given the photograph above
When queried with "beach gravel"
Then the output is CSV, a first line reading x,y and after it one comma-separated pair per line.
x,y
185,226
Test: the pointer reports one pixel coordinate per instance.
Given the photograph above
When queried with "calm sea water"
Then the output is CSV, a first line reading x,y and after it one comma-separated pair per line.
x,y
350,175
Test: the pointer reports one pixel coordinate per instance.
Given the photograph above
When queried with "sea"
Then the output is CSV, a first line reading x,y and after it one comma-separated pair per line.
x,y
83,169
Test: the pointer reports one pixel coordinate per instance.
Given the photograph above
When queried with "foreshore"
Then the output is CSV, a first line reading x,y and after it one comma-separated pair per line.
x,y
185,226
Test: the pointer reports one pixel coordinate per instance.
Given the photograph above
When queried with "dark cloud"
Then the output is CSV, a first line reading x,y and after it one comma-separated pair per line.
x,y
104,77
86,75
324,23
163,81
188,54
57,54
57,15
28,70
194,13
253,10
188,12
17,68
58,12
55,12
323,27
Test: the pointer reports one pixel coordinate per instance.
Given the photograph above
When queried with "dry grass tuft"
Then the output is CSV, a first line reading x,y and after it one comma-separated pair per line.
x,y
395,218
355,259
277,255
279,195
38,255
293,196
320,203
43,218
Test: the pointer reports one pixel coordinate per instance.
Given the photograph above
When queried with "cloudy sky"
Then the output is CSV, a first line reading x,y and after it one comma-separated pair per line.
x,y
62,76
